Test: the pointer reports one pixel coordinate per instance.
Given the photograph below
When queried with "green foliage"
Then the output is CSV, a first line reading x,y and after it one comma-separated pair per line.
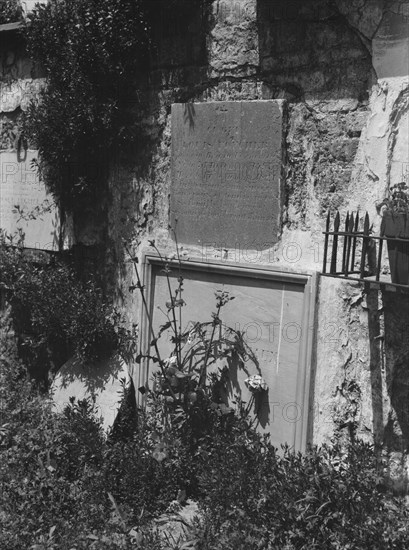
x,y
195,371
328,498
64,485
93,52
56,315
251,495
10,11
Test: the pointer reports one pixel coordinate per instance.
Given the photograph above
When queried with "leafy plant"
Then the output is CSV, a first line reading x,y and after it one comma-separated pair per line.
x,y
93,53
55,315
65,486
327,498
397,200
10,11
193,377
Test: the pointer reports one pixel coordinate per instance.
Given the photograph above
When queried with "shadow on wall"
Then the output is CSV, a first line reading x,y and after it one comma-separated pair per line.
x,y
309,50
389,365
315,58
391,46
396,312
177,71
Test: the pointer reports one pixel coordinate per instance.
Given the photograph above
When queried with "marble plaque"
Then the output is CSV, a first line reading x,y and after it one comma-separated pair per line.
x,y
25,204
226,173
273,311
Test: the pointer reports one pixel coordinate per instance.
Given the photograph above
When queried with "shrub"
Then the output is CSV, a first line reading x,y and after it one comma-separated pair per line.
x,y
92,53
95,54
56,315
47,475
64,485
256,497
10,11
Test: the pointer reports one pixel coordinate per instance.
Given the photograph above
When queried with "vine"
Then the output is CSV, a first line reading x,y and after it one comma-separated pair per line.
x,y
92,52
95,54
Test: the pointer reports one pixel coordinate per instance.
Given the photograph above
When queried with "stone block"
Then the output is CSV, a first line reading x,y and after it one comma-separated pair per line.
x,y
271,310
101,383
226,172
25,203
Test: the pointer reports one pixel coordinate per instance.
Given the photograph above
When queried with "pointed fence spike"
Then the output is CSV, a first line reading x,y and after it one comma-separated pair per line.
x,y
327,223
336,221
379,262
333,268
356,221
344,249
364,244
366,224
355,230
349,241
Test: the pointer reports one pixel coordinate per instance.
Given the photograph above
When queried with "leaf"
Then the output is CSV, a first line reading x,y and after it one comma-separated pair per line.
x,y
180,374
225,409
116,509
164,327
190,544
136,535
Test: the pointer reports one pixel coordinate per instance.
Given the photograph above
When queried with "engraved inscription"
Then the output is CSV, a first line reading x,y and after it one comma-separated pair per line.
x,y
25,204
226,171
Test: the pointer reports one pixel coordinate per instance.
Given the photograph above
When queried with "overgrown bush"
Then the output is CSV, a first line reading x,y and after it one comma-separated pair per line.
x,y
50,471
93,52
64,485
328,498
55,315
10,11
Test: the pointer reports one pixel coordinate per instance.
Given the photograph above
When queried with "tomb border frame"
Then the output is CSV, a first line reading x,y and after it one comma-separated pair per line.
x,y
304,388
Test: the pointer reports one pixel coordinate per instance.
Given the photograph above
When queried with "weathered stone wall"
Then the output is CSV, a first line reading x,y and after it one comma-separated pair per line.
x,y
26,206
342,67
338,65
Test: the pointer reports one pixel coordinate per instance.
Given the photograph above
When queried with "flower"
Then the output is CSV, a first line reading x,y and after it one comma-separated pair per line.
x,y
256,384
170,361
192,336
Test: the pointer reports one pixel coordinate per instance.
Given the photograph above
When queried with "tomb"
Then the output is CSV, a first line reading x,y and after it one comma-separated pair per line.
x,y
226,173
25,204
273,310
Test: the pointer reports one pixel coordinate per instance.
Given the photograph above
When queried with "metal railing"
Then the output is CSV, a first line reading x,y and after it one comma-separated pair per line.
x,y
354,253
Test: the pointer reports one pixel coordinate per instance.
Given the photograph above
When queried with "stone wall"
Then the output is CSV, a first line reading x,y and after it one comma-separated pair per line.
x,y
345,142
27,208
339,67
342,68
